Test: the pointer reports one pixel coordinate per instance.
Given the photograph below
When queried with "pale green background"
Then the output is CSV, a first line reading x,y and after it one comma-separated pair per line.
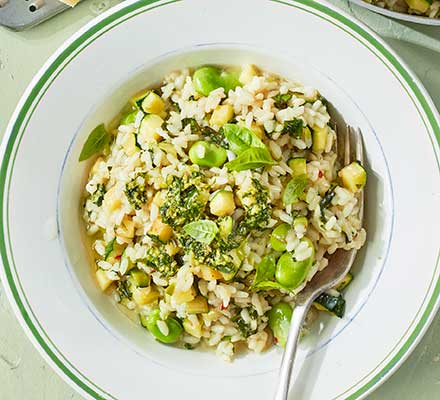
x,y
23,373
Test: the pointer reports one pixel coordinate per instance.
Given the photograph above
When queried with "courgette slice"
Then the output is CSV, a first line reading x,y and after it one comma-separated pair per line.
x,y
319,139
113,251
197,306
228,276
153,104
139,278
222,115
300,223
225,226
298,166
353,176
229,273
238,255
103,281
344,283
335,305
192,327
145,295
222,203
419,5
136,100
307,136
129,145
148,129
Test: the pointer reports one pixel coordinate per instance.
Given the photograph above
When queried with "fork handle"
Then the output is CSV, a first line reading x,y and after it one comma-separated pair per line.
x,y
298,316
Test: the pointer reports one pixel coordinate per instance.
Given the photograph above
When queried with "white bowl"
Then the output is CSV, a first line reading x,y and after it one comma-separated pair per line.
x,y
72,182
46,270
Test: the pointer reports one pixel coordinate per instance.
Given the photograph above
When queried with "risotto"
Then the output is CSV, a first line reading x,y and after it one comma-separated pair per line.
x,y
215,198
424,8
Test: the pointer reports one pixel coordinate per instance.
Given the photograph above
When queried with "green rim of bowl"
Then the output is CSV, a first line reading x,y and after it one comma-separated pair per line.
x,y
66,54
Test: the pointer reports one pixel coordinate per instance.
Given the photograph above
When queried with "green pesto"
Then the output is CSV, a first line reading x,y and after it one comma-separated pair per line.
x,y
185,200
135,192
158,259
258,212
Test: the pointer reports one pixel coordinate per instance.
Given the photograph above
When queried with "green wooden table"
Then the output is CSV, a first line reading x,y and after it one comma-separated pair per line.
x,y
23,373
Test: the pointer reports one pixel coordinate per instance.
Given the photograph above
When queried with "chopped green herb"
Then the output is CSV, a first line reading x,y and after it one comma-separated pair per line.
x,y
123,290
129,118
281,100
293,128
327,199
98,196
244,327
216,137
195,127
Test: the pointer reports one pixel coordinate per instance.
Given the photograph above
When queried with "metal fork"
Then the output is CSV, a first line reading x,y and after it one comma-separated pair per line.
x,y
350,148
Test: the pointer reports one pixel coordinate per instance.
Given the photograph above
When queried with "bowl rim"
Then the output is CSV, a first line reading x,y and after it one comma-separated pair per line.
x,y
91,31
417,19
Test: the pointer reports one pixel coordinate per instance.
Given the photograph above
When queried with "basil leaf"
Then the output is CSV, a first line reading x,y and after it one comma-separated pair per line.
x,y
98,139
294,189
252,158
265,270
265,276
203,231
241,138
109,248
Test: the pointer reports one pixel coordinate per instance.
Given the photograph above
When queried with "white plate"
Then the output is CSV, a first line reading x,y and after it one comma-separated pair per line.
x,y
92,345
418,19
